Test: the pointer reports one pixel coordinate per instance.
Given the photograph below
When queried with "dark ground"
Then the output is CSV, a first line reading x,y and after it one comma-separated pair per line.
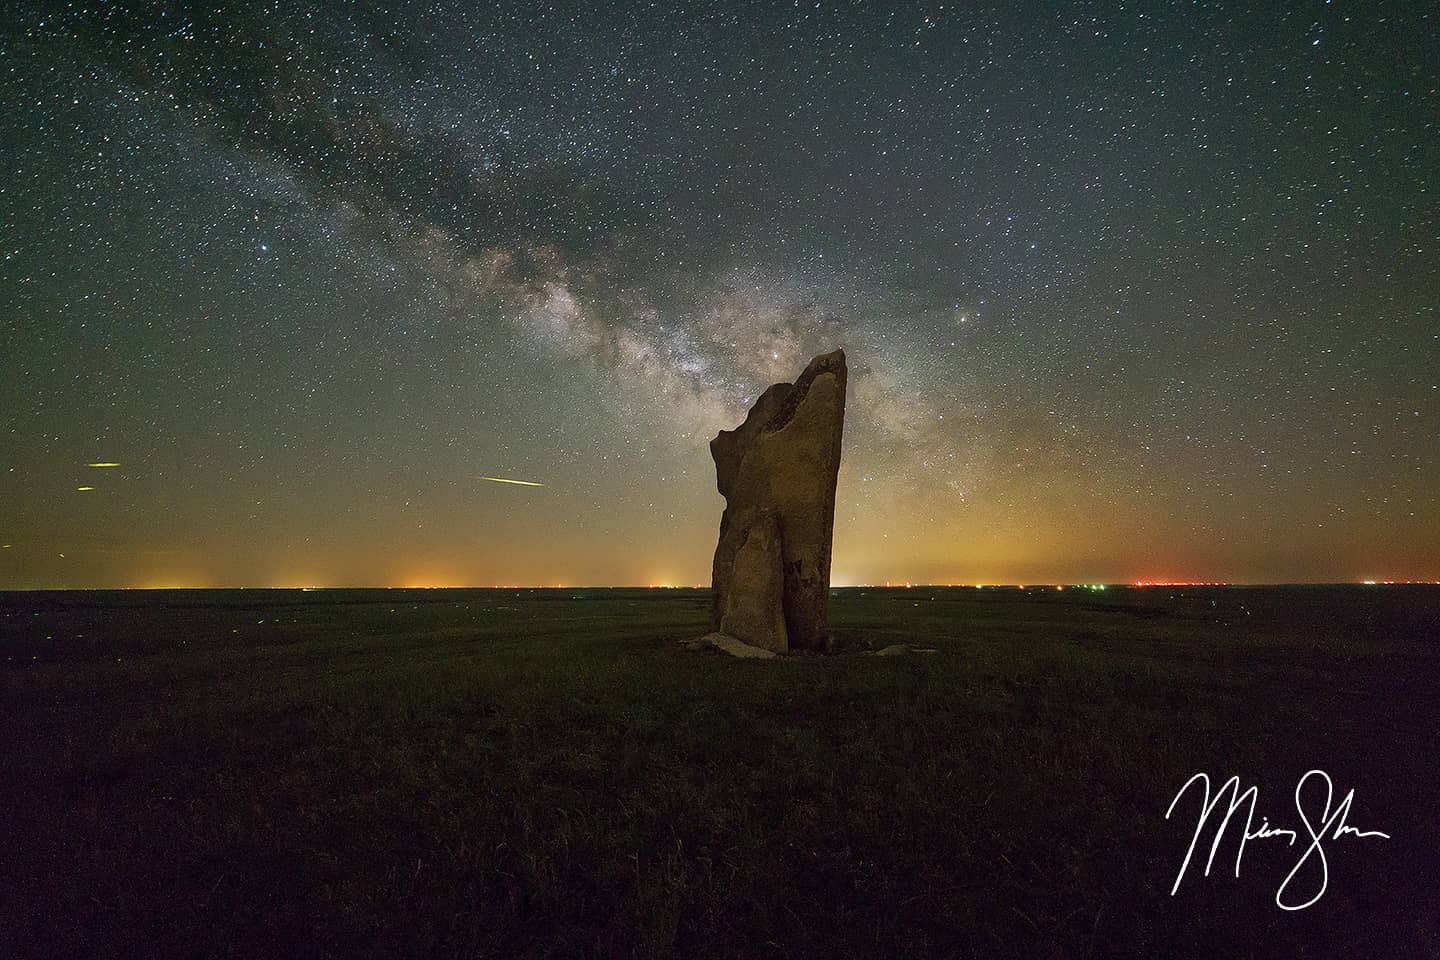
x,y
546,773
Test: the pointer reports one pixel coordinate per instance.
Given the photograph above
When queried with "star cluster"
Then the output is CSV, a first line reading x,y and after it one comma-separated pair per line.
x,y
1129,291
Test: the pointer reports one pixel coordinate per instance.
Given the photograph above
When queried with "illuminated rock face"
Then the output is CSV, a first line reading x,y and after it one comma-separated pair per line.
x,y
777,474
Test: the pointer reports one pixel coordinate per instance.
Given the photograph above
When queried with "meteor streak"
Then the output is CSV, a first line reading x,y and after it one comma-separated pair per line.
x,y
523,483
102,464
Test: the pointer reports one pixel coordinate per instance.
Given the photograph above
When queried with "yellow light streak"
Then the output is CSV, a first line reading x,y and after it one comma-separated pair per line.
x,y
102,464
523,483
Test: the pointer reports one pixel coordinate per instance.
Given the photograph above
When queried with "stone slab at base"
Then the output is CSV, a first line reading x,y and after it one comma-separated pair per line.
x,y
736,648
897,650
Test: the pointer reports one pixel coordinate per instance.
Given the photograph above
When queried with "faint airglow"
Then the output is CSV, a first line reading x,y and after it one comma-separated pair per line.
x,y
84,488
523,483
102,464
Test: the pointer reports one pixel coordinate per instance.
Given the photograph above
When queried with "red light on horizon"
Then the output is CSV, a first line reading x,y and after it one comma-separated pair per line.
x,y
1181,583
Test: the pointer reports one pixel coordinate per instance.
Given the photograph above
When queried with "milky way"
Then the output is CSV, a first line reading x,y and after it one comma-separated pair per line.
x,y
1127,292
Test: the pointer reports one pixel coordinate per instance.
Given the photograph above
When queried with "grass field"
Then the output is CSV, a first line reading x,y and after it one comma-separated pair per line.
x,y
548,774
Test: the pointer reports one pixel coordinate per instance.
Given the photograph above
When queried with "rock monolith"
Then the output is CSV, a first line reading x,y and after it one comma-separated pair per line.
x,y
777,473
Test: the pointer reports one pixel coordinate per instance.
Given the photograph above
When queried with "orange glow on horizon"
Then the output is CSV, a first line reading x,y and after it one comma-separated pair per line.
x,y
175,582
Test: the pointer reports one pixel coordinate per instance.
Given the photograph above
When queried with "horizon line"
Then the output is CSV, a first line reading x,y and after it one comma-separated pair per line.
x,y
1032,586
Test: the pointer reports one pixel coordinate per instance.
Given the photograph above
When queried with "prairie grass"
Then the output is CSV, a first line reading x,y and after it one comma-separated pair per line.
x,y
547,773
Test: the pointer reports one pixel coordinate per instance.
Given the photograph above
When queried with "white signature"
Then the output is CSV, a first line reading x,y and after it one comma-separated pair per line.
x,y
1330,825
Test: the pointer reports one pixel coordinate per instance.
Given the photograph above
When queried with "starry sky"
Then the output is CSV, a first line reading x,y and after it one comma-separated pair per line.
x,y
1128,290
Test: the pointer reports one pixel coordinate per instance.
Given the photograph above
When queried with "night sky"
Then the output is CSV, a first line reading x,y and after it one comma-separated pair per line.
x,y
1128,291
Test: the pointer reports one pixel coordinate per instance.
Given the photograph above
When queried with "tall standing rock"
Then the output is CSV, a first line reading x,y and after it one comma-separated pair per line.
x,y
777,473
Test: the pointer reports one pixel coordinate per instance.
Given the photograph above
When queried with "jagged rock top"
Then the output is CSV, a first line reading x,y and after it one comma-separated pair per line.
x,y
772,412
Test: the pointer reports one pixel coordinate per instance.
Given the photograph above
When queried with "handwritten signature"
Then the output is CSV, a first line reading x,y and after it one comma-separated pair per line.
x,y
1330,825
